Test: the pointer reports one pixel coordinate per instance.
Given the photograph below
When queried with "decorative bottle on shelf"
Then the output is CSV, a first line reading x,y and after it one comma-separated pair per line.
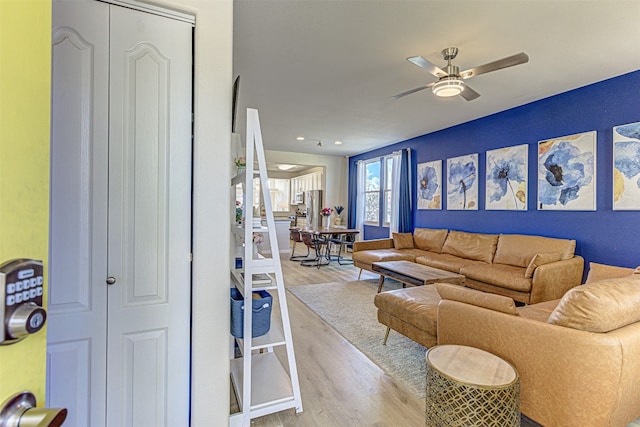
x,y
258,238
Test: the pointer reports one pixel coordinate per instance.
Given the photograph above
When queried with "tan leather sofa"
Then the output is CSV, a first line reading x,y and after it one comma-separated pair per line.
x,y
578,357
529,269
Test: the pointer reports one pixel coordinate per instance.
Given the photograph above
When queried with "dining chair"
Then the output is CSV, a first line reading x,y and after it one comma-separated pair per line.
x,y
296,237
342,241
319,244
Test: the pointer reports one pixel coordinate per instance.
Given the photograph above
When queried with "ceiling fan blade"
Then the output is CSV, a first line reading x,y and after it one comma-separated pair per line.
x,y
469,94
423,63
509,61
409,92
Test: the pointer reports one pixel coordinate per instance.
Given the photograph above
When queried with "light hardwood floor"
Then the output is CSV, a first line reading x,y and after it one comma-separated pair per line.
x,y
339,385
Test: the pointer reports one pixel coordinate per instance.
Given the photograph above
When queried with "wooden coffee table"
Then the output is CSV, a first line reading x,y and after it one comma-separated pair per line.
x,y
411,273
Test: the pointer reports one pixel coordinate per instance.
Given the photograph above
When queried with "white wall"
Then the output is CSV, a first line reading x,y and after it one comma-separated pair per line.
x,y
212,169
336,175
210,311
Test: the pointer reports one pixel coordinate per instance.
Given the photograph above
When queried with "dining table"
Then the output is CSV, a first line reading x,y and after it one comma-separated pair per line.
x,y
327,236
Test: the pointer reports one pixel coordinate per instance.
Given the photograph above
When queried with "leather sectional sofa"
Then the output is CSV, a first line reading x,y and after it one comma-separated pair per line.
x,y
578,357
529,269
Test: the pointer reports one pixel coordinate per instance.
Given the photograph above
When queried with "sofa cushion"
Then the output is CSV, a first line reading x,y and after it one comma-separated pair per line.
x,y
602,271
600,306
445,262
541,259
379,255
402,240
429,239
368,245
478,298
474,246
504,276
519,249
539,312
416,305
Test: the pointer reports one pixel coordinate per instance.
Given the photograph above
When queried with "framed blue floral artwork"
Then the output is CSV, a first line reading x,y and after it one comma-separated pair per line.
x,y
430,185
462,182
507,173
566,173
626,167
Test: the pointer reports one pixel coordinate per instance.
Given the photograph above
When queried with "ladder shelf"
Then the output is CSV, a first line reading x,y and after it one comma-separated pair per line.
x,y
262,382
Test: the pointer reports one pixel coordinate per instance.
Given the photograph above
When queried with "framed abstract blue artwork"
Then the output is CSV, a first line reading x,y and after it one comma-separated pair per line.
x,y
626,167
462,182
567,173
430,185
507,171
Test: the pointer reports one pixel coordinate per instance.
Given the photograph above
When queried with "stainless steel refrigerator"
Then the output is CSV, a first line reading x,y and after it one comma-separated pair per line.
x,y
313,200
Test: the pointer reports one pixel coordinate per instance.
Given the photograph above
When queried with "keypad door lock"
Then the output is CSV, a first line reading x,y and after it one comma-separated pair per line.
x,y
21,289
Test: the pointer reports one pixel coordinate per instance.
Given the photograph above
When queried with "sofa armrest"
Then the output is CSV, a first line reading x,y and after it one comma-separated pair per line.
x,y
562,370
366,245
551,281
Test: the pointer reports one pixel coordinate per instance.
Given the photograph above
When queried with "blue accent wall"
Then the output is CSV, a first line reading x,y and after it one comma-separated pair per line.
x,y
604,235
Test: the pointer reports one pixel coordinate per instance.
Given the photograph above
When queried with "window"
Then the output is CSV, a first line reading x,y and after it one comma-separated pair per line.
x,y
378,191
372,192
278,191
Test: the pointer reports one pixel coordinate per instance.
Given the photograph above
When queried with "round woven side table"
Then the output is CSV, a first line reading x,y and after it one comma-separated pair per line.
x,y
467,386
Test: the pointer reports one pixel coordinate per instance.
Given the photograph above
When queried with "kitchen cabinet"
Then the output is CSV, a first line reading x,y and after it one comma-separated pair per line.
x,y
282,234
304,183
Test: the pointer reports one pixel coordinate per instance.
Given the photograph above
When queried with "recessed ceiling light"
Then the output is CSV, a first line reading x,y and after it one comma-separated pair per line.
x,y
286,167
300,138
338,142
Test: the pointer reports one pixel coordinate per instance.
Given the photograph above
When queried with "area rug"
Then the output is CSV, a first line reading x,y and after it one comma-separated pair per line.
x,y
348,308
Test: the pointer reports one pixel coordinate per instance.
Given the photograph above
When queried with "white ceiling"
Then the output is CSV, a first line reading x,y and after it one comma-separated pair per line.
x,y
326,69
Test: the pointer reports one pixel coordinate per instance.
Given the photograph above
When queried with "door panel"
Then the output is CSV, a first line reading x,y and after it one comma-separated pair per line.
x,y
149,220
68,379
77,347
145,200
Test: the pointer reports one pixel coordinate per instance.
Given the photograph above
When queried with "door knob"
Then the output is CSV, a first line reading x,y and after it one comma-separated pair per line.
x,y
111,280
26,319
20,411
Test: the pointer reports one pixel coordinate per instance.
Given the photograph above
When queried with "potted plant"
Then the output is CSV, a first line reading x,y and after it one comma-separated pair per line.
x,y
241,164
338,210
238,212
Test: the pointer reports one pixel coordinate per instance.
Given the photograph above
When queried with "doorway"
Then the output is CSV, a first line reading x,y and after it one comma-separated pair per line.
x,y
119,273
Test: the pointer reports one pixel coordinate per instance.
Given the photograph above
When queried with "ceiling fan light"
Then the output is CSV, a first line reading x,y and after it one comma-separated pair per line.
x,y
447,87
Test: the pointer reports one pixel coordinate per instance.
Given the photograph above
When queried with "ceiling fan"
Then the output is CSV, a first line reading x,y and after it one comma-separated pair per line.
x,y
451,80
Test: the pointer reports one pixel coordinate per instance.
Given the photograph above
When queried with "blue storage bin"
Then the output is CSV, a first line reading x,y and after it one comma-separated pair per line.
x,y
261,317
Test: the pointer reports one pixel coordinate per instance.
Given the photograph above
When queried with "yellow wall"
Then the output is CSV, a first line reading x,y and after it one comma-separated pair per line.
x,y
25,86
